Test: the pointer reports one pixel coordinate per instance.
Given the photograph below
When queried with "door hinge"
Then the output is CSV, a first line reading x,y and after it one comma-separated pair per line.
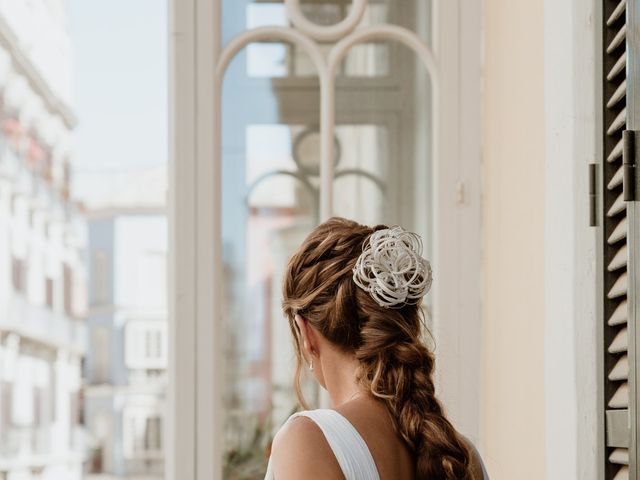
x,y
593,195
629,163
617,428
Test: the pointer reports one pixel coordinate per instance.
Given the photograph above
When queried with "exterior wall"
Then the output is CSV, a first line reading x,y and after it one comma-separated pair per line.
x,y
42,29
541,403
513,238
42,240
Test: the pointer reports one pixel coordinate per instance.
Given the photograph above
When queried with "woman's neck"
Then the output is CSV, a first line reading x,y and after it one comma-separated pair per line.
x,y
340,377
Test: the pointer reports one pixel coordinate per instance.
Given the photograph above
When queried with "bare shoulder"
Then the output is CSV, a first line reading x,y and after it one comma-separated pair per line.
x,y
477,466
300,450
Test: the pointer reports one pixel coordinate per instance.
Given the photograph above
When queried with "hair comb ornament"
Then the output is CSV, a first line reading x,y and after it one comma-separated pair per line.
x,y
391,268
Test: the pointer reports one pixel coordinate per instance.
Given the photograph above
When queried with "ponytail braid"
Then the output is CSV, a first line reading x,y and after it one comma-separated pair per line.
x,y
399,371
395,365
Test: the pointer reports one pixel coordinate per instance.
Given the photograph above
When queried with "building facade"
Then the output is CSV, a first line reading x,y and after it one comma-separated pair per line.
x,y
126,365
42,242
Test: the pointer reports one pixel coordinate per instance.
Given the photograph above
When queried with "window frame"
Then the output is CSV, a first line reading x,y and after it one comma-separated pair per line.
x,y
193,448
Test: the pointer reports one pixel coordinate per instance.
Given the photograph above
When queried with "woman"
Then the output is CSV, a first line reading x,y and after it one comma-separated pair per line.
x,y
352,296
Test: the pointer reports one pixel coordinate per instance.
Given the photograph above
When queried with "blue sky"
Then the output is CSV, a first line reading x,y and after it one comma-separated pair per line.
x,y
121,84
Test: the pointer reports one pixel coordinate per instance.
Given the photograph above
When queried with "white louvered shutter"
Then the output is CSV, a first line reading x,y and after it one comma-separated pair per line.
x,y
618,357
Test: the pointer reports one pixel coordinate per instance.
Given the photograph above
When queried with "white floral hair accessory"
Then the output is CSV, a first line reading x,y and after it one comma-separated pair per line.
x,y
391,268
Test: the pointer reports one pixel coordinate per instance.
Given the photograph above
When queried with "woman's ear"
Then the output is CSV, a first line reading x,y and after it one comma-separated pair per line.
x,y
307,335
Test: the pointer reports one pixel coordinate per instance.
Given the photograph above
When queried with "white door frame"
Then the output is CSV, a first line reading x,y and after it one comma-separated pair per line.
x,y
194,441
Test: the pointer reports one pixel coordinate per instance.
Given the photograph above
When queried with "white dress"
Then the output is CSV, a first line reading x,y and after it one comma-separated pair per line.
x,y
347,445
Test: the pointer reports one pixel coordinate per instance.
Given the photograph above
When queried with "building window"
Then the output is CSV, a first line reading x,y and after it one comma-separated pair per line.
x,y
153,434
68,289
101,277
100,345
6,408
38,394
49,292
75,409
146,344
18,275
142,433
42,419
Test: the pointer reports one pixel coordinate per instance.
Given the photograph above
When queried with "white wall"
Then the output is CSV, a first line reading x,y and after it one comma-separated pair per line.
x,y
540,103
570,244
513,239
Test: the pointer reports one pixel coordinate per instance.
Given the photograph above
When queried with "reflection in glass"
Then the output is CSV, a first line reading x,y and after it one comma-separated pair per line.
x,y
275,60
271,190
268,60
269,206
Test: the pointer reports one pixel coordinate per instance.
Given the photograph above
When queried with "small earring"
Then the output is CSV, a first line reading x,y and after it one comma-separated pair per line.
x,y
311,366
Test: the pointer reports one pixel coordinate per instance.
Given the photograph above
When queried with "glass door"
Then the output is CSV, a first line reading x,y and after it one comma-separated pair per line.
x,y
285,113
272,187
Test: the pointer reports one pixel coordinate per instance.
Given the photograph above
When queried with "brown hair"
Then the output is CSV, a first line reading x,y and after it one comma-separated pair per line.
x,y
395,365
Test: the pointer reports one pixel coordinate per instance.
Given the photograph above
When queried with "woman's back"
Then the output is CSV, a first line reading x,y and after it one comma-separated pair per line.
x,y
374,423
392,456
356,441
352,296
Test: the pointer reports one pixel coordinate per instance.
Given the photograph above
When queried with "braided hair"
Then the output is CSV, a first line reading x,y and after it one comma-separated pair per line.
x,y
394,364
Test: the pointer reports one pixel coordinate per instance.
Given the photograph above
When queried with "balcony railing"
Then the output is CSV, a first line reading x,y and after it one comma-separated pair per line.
x,y
43,325
9,442
41,441
25,448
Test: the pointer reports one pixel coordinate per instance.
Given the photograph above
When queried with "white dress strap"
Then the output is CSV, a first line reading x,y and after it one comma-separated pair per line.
x,y
348,446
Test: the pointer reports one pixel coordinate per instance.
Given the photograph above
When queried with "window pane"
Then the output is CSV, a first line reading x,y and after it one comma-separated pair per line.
x,y
361,172
267,60
269,204
270,189
367,60
266,15
385,126
279,60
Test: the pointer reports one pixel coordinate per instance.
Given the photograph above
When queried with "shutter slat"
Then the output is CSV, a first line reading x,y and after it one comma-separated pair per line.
x,y
617,12
619,456
623,474
617,207
616,152
619,260
620,342
620,399
618,358
618,39
619,232
621,370
616,180
618,122
619,315
619,66
619,288
619,94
